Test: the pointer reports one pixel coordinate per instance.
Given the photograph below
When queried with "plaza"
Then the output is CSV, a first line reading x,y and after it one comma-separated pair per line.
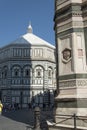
x,y
20,119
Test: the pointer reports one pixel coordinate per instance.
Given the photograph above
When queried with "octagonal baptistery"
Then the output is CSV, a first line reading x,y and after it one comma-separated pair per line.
x,y
27,71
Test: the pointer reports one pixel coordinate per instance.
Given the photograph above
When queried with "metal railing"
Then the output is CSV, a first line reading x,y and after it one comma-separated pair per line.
x,y
74,118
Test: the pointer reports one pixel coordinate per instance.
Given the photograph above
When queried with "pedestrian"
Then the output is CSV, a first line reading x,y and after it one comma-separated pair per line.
x,y
1,107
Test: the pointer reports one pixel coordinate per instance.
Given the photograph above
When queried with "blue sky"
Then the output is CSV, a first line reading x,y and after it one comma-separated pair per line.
x,y
16,14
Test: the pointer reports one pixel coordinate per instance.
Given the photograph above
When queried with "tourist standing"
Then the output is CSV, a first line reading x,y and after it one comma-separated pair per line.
x,y
1,107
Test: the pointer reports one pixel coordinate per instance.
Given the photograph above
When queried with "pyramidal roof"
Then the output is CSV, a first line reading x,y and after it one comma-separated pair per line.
x,y
31,39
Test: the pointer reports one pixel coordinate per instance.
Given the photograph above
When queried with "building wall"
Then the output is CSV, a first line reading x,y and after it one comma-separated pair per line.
x,y
70,23
27,73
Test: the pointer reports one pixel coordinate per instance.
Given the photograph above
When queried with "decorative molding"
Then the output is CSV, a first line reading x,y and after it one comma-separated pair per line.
x,y
81,82
73,83
68,84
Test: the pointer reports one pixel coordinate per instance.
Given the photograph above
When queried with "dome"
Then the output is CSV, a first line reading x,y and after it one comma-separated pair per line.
x,y
31,39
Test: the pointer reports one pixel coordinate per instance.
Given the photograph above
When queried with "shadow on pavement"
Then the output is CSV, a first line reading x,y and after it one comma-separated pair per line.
x,y
23,115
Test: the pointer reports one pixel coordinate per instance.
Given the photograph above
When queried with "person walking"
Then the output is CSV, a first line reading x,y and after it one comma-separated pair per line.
x,y
1,107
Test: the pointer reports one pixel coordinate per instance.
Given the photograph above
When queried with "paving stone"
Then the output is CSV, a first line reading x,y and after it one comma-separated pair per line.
x,y
16,120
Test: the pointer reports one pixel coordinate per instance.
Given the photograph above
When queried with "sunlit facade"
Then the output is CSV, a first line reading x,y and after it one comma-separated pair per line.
x,y
27,71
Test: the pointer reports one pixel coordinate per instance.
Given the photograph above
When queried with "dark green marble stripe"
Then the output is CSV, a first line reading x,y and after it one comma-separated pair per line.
x,y
73,76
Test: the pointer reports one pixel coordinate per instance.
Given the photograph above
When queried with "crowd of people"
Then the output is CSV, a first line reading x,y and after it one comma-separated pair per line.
x,y
17,106
7,106
41,106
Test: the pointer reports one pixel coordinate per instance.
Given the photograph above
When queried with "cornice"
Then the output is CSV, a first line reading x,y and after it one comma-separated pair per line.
x,y
26,59
66,13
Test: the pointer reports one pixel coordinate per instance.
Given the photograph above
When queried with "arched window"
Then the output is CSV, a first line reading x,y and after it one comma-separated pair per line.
x,y
38,72
16,71
27,71
4,72
49,73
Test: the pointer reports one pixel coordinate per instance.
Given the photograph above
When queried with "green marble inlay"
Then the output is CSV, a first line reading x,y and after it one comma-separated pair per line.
x,y
73,76
79,103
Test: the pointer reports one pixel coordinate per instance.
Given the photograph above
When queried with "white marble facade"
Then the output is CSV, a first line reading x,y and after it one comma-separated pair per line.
x,y
27,71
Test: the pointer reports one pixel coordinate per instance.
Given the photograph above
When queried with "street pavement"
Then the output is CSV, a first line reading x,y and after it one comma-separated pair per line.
x,y
16,120
20,119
